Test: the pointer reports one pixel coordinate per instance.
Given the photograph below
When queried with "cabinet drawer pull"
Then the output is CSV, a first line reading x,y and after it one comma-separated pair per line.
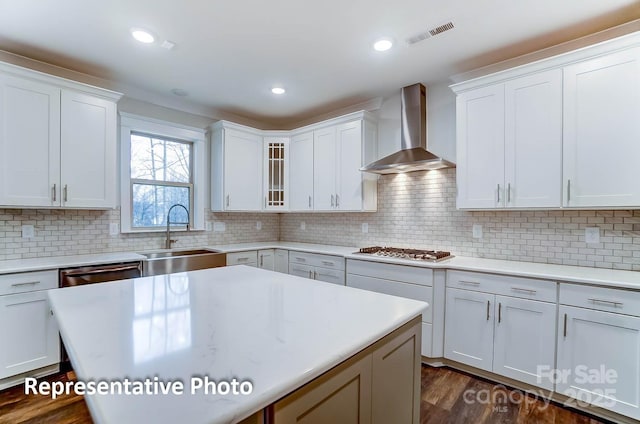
x,y
469,283
310,274
31,283
565,325
520,289
488,305
332,202
227,200
261,260
242,259
300,259
327,263
568,190
499,312
309,202
53,193
65,193
337,201
509,193
606,302
498,193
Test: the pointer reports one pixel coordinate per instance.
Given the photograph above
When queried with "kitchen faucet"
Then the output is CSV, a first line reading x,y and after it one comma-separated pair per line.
x,y
168,242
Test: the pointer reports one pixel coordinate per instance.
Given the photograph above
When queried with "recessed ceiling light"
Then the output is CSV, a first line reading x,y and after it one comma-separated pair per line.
x,y
142,36
278,90
383,44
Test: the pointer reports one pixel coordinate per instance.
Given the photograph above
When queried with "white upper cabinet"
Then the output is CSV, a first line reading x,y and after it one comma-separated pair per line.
x,y
480,147
324,169
349,178
559,132
29,142
602,131
301,172
276,173
533,140
236,168
57,141
88,151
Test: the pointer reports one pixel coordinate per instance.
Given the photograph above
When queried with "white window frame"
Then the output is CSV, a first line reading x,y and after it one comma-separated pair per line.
x,y
139,124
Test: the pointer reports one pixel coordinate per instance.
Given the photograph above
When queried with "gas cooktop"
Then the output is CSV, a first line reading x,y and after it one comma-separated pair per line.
x,y
415,254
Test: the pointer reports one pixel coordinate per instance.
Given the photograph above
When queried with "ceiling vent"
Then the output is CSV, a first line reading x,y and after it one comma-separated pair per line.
x,y
430,33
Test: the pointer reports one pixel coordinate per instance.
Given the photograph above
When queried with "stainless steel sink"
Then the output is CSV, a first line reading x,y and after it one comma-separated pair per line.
x,y
158,263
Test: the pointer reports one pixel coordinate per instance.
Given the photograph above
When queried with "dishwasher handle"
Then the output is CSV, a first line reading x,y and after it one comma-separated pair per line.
x,y
74,273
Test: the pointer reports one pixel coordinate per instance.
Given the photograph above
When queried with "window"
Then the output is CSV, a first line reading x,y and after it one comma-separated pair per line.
x,y
163,165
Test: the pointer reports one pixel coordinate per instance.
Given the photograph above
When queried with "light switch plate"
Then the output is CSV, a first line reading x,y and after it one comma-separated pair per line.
x,y
303,226
28,231
365,227
258,225
114,229
477,231
219,227
592,235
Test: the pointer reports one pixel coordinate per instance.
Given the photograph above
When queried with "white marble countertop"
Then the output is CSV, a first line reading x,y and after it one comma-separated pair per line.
x,y
559,273
289,245
277,330
54,262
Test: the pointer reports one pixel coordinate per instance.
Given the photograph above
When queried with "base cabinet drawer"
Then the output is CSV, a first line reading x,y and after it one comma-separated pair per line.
x,y
601,298
250,257
29,333
28,281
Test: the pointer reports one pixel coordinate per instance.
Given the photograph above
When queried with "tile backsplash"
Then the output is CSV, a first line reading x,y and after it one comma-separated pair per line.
x,y
78,232
414,210
418,210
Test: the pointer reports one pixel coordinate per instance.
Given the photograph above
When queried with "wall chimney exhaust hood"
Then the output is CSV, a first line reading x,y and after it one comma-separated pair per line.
x,y
413,155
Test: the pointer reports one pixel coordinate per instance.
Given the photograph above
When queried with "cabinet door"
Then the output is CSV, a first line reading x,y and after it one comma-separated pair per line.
x,y
468,330
395,394
281,261
242,171
29,143
301,172
88,151
266,259
480,148
343,395
335,276
304,271
525,345
28,332
276,173
599,351
324,169
533,140
601,131
349,156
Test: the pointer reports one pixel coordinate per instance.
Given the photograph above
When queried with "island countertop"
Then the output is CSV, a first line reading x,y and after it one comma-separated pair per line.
x,y
277,331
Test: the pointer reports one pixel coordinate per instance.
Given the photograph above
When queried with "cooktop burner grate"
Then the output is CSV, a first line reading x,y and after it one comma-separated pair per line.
x,y
416,254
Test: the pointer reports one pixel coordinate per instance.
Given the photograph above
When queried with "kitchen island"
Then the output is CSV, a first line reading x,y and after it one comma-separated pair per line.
x,y
274,332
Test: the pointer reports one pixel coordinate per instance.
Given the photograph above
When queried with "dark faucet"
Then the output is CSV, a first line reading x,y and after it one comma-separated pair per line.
x,y
168,242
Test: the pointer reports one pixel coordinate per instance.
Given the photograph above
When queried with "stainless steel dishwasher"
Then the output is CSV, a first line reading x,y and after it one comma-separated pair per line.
x,y
79,276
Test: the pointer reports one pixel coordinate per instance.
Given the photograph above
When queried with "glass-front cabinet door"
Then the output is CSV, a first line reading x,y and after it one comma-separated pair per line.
x,y
276,173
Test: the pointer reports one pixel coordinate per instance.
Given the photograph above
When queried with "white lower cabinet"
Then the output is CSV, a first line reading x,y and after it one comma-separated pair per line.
x,y
28,330
469,328
327,268
406,281
599,349
249,257
513,336
267,259
281,263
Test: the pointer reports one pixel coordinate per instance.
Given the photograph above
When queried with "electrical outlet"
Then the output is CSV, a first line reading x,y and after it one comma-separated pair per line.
x,y
303,226
365,227
592,235
219,227
259,225
114,229
477,231
28,231
209,226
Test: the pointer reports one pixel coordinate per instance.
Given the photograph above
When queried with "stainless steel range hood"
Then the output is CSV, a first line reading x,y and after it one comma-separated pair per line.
x,y
413,155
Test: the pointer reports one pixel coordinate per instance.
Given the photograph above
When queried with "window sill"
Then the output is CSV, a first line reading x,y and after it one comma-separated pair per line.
x,y
163,231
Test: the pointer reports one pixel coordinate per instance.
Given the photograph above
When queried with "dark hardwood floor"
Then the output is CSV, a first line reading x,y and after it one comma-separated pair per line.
x,y
448,396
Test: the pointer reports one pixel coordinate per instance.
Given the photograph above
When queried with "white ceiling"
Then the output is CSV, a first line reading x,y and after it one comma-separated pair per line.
x,y
230,53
